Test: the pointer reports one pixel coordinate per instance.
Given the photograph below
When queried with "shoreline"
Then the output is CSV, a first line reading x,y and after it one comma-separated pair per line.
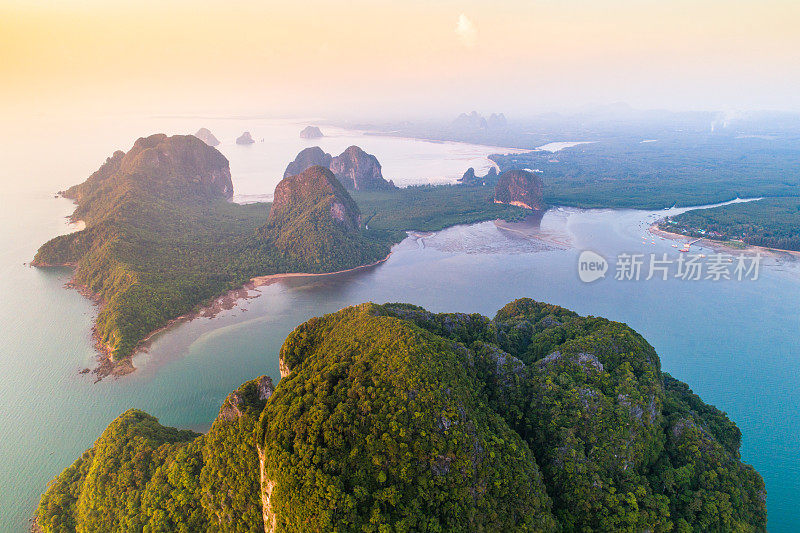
x,y
106,366
750,248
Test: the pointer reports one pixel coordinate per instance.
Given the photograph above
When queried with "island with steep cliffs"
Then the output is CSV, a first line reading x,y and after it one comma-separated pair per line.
x,y
311,132
245,138
393,418
161,237
205,135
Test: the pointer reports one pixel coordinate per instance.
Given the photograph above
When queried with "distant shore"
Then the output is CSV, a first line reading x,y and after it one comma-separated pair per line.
x,y
713,243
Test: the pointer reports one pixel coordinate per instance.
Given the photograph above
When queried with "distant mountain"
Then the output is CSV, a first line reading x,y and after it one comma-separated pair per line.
x,y
472,121
520,188
307,158
497,121
470,178
245,138
311,132
205,135
356,169
394,418
476,122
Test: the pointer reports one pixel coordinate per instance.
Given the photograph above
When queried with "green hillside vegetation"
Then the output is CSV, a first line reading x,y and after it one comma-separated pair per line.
x,y
770,222
317,225
392,418
664,173
432,208
161,239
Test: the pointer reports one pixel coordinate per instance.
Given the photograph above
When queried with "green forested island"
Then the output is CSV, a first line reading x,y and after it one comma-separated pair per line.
x,y
161,237
769,222
392,418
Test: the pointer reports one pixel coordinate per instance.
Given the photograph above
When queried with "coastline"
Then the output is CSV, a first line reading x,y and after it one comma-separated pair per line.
x,y
106,366
712,243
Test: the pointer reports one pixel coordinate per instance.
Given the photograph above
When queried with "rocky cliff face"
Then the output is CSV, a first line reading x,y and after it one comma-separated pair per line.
x,y
358,170
354,168
311,132
307,158
180,162
205,135
245,138
470,178
520,188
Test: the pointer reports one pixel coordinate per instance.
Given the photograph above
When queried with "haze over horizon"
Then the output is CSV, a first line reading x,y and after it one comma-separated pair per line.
x,y
396,59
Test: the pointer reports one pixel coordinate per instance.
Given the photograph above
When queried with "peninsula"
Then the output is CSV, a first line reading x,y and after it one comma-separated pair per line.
x,y
162,240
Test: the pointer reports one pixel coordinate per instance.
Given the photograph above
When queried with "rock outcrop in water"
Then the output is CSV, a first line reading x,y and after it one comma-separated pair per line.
x,y
245,138
520,188
307,158
311,132
358,170
205,135
390,417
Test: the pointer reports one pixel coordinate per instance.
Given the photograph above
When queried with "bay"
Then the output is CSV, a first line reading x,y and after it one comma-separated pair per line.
x,y
735,343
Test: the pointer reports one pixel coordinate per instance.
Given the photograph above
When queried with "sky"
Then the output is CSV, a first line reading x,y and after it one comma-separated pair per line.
x,y
395,58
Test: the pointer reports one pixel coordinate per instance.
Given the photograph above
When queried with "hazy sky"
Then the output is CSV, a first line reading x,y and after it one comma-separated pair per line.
x,y
369,57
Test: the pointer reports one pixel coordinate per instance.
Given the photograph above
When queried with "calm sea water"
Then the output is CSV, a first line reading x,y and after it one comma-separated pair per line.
x,y
735,343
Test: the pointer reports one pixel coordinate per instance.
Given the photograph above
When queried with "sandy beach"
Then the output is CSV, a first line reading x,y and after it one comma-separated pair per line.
x,y
106,366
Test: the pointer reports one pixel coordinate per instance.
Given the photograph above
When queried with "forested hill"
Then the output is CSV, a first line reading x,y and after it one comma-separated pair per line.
x,y
770,222
161,238
392,418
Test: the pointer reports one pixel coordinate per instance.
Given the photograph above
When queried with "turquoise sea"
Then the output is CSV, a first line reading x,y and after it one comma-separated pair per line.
x,y
735,343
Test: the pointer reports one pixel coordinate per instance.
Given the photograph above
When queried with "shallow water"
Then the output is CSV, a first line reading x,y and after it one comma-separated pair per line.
x,y
735,343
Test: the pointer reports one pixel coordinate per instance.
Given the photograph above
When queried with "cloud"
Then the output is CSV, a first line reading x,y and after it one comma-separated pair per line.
x,y
466,31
